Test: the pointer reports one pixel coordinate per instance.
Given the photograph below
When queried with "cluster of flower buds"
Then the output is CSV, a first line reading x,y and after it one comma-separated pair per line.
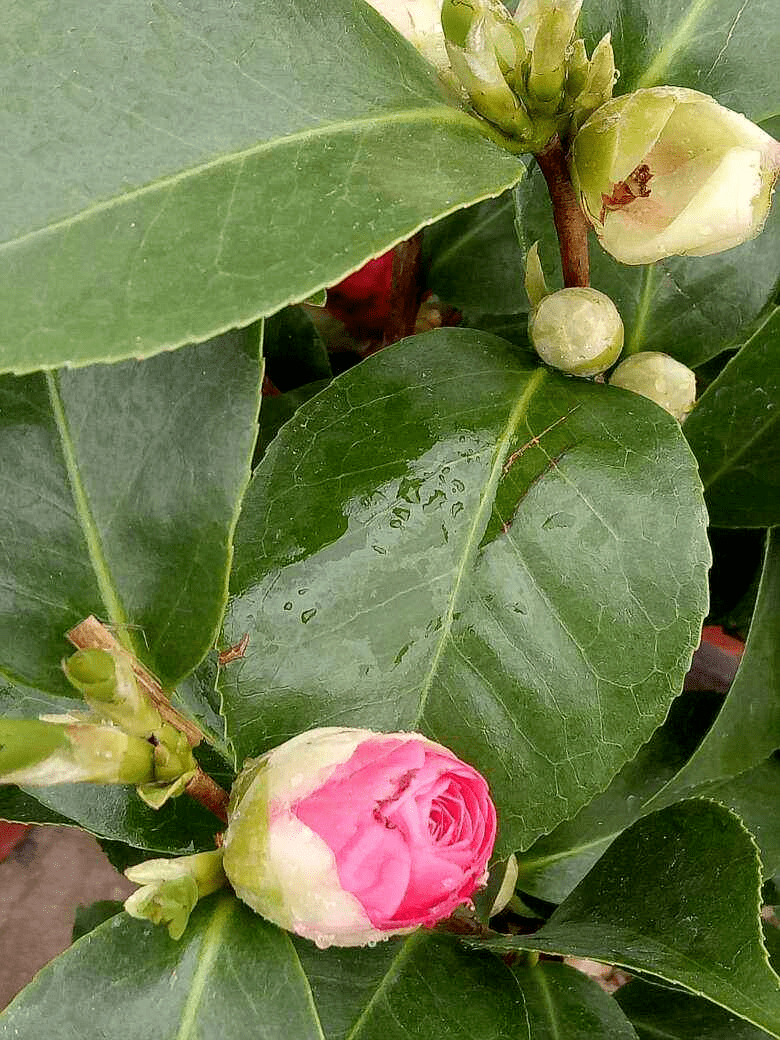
x,y
529,75
122,740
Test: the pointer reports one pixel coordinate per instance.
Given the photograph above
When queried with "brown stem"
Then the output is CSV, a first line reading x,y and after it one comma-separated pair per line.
x,y
208,792
405,290
570,222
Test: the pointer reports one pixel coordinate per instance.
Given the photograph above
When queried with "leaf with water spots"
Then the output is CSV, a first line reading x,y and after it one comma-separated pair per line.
x,y
454,539
234,974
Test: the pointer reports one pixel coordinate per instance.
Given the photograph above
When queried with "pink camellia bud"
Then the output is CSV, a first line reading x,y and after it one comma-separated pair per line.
x,y
347,836
667,171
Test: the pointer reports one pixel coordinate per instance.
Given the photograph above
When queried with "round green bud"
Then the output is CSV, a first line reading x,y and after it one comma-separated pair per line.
x,y
93,672
457,17
577,330
659,377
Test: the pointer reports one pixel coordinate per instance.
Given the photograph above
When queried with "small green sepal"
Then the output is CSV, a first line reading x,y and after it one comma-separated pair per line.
x,y
172,887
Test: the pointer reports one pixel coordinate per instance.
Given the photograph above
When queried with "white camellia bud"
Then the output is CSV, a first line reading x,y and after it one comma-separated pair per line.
x,y
667,382
668,171
347,836
577,330
420,22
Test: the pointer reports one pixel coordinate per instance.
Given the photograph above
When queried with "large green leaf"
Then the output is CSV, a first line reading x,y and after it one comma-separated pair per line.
x,y
406,558
733,431
690,307
726,48
235,975
558,861
176,169
747,728
564,1004
121,488
676,896
663,1014
473,259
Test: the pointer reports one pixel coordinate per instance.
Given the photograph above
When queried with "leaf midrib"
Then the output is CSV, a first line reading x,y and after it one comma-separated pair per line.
x,y
100,567
428,113
477,528
389,976
206,957
659,66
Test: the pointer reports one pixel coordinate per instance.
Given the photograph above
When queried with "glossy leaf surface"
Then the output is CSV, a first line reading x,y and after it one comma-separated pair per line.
x,y
121,488
662,1013
178,169
734,432
233,972
558,861
747,728
690,307
725,48
676,896
406,555
562,1002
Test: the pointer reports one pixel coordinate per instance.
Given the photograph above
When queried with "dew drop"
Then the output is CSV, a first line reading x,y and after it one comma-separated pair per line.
x,y
456,507
379,549
288,605
307,615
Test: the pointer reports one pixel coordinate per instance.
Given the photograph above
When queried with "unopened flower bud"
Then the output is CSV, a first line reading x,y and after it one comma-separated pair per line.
x,y
172,887
38,753
577,330
599,82
347,837
667,382
548,59
108,685
174,767
420,22
668,171
529,15
469,30
577,69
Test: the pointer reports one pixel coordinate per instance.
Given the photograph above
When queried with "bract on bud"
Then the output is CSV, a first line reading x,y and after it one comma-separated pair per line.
x,y
347,836
669,383
577,330
40,753
668,171
172,887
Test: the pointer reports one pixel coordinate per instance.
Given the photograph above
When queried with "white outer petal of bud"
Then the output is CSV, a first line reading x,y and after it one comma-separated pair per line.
x,y
660,378
667,171
420,22
577,330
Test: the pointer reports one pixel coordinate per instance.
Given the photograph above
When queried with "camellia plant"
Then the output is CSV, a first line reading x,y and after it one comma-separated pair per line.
x,y
380,698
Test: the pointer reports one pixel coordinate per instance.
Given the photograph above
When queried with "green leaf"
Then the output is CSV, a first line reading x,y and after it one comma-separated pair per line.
x,y
89,917
754,796
121,488
473,260
293,350
234,974
180,827
17,806
690,307
747,728
662,1014
206,164
558,861
563,1003
676,896
406,555
726,48
733,431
